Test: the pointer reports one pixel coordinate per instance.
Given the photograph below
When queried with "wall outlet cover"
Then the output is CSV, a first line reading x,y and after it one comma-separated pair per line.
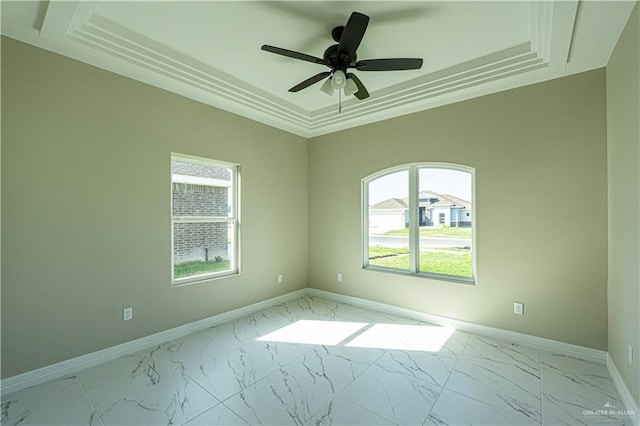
x,y
127,314
518,308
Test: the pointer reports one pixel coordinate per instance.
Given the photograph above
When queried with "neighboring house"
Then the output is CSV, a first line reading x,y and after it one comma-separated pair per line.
x,y
444,210
199,191
389,214
435,210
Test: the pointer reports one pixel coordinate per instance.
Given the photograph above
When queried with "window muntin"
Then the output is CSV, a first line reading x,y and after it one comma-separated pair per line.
x,y
204,216
437,237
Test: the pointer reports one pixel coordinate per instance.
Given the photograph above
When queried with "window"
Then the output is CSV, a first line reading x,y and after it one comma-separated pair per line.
x,y
204,219
418,219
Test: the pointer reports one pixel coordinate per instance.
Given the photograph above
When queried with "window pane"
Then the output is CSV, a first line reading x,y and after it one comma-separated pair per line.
x,y
204,225
445,220
202,248
200,190
389,221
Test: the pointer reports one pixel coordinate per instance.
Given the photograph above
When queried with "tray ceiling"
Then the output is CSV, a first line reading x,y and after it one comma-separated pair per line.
x,y
210,50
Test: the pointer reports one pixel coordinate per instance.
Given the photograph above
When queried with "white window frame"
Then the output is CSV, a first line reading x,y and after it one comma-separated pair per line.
x,y
414,228
232,219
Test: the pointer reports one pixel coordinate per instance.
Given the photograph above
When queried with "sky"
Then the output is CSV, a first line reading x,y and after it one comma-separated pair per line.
x,y
442,181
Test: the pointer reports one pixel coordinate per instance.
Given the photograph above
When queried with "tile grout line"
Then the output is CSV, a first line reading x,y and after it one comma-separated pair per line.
x,y
86,395
479,357
342,344
333,399
350,383
541,396
184,373
384,352
222,401
447,381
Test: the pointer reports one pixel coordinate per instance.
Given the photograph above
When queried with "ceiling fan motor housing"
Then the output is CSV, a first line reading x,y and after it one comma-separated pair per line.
x,y
338,60
336,33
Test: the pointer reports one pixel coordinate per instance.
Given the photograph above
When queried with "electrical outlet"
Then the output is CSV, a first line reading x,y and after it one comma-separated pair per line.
x,y
518,308
339,277
630,354
127,314
280,278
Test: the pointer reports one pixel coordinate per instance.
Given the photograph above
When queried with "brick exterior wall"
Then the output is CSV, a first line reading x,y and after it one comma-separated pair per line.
x,y
199,241
199,200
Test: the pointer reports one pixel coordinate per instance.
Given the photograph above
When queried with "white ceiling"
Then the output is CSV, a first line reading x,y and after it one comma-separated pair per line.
x,y
210,50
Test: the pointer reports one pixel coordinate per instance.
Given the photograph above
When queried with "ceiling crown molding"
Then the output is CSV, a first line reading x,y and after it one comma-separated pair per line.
x,y
79,30
80,23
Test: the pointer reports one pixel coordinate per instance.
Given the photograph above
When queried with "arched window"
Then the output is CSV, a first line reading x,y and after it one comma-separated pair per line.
x,y
419,219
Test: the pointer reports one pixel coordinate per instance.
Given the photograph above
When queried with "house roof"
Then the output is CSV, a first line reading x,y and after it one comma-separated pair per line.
x,y
428,195
458,201
443,200
199,170
392,204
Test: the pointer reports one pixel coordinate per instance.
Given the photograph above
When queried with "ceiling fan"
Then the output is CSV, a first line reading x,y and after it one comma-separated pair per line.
x,y
342,56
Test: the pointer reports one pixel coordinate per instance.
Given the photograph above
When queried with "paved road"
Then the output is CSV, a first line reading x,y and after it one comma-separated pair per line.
x,y
396,241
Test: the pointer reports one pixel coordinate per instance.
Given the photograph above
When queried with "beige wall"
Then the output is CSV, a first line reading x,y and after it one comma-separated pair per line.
x,y
623,131
86,208
541,214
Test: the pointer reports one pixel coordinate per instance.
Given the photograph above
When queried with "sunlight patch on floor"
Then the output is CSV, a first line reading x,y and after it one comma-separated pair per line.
x,y
314,332
425,338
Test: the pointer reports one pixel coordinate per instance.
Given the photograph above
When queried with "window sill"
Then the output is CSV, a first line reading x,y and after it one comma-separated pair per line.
x,y
431,276
197,279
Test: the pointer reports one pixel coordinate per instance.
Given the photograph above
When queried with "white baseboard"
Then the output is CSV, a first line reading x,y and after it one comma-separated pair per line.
x,y
74,365
623,390
525,339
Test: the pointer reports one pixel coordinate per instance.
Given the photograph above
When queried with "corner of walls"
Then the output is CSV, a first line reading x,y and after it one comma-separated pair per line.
x,y
623,390
86,191
623,199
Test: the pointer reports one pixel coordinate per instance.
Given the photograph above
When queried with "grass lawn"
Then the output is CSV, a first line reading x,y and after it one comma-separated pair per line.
x,y
435,232
446,263
199,267
400,261
430,261
377,251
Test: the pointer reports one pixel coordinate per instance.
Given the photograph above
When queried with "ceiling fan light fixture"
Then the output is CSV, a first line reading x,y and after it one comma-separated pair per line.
x,y
339,80
327,87
350,88
342,56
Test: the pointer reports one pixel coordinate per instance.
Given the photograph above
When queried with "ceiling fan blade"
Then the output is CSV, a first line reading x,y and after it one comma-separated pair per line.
x,y
362,91
308,82
353,33
391,64
292,54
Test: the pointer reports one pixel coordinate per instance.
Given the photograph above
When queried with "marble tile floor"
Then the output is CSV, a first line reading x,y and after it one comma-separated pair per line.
x,y
316,362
